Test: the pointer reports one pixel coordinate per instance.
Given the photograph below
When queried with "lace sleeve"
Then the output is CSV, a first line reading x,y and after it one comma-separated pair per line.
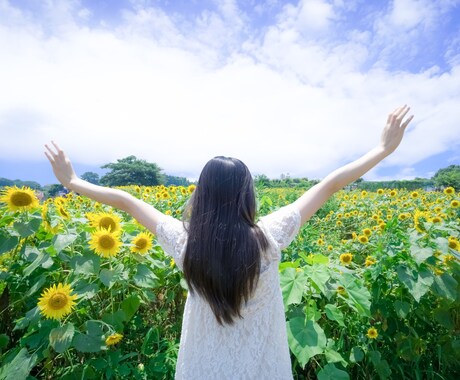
x,y
283,225
172,237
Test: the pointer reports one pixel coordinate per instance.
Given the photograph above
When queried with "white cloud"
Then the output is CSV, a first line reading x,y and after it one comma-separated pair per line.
x,y
157,89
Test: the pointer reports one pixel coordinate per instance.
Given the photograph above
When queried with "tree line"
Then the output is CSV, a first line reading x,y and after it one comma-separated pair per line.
x,y
133,171
446,177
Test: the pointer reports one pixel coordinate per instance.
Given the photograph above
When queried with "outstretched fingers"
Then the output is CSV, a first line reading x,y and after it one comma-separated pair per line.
x,y
398,115
406,123
53,154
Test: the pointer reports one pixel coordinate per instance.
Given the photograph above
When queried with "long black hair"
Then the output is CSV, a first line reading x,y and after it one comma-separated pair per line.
x,y
223,252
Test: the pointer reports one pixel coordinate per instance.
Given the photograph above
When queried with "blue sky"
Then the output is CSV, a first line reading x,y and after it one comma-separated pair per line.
x,y
298,87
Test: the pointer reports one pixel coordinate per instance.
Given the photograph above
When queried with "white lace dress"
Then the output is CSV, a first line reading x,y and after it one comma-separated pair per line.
x,y
254,347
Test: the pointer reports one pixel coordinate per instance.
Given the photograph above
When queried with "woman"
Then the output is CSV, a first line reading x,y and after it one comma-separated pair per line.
x,y
233,323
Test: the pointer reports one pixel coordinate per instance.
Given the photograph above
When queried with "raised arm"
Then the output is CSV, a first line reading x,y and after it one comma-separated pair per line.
x,y
144,213
392,135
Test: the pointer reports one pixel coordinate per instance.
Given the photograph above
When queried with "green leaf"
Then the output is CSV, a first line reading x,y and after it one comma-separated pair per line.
x,y
402,308
62,241
356,354
306,339
107,277
444,318
37,285
311,311
115,319
43,259
152,339
334,314
333,356
144,277
421,254
331,372
88,343
418,282
4,339
61,337
381,366
19,367
445,286
87,264
130,305
26,229
292,285
319,275
85,290
358,294
317,258
93,341
7,242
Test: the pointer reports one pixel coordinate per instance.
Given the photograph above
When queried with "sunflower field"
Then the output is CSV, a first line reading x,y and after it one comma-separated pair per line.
x,y
370,285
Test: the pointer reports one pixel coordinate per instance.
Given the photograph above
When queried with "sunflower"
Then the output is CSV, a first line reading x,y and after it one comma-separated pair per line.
x,y
346,258
191,189
105,243
340,289
454,244
455,203
106,221
320,242
393,193
436,219
63,212
19,199
369,261
449,190
363,239
414,194
367,232
56,302
419,218
380,191
142,243
372,333
113,339
403,216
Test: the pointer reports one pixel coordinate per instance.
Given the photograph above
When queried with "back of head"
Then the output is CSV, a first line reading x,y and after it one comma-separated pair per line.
x,y
222,257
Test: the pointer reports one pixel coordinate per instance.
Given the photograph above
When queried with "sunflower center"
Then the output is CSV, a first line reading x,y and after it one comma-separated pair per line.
x,y
21,199
141,243
107,223
106,242
57,301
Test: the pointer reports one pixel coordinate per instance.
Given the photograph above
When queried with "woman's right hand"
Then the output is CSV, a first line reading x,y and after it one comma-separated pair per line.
x,y
62,167
393,132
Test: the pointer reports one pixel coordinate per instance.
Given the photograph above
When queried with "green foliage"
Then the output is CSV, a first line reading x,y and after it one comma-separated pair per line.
x,y
53,190
19,183
448,177
171,180
415,184
132,171
91,177
408,293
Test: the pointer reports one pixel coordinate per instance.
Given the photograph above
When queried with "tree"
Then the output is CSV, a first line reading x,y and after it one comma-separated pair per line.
x,y
91,177
132,171
176,181
53,190
449,176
